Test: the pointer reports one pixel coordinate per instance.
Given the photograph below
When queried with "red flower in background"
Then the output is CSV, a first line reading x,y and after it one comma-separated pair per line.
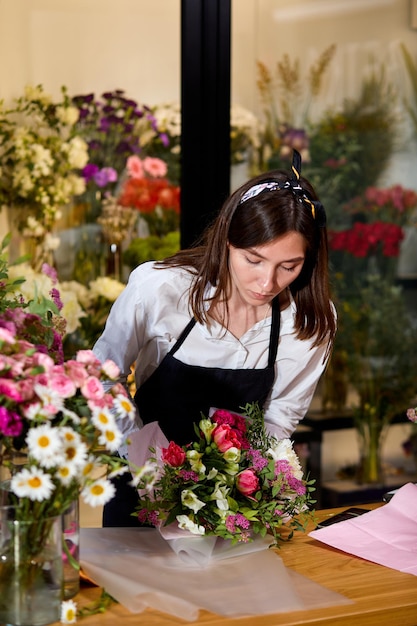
x,y
147,188
367,239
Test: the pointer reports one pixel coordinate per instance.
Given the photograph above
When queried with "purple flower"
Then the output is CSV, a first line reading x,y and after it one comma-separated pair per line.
x,y
50,271
89,171
258,461
105,176
56,298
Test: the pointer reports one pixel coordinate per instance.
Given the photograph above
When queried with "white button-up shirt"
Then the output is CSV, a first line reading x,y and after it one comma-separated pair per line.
x,y
152,311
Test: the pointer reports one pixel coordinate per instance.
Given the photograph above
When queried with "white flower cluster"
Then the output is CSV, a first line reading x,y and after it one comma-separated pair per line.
x,y
40,154
245,133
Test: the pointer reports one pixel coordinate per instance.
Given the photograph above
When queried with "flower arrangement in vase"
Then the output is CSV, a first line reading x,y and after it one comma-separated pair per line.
x,y
233,481
59,417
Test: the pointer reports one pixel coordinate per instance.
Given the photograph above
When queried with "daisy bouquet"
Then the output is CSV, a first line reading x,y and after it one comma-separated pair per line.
x,y
57,416
234,481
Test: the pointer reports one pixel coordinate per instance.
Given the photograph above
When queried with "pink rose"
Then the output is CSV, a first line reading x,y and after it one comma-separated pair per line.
x,y
87,357
174,455
92,389
225,438
76,371
110,369
62,384
10,389
247,482
25,388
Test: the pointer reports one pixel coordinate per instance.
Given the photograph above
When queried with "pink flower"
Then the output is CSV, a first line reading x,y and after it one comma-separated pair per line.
x,y
225,438
25,388
76,371
62,384
135,167
155,167
174,455
10,423
6,335
110,369
87,357
9,389
92,389
44,360
247,482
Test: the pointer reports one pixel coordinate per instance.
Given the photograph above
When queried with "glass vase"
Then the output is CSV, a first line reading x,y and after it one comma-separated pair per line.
x,y
370,469
31,573
71,550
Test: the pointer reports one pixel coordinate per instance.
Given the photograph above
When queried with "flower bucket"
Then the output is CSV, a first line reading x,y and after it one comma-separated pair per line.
x,y
31,576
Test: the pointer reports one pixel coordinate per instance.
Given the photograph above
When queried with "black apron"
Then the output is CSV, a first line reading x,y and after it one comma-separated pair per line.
x,y
177,394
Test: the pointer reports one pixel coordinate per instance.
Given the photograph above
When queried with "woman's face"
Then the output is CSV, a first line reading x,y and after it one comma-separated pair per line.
x,y
259,274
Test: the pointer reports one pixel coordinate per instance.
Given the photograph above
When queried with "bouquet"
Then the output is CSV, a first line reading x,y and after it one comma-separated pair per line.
x,y
59,417
234,481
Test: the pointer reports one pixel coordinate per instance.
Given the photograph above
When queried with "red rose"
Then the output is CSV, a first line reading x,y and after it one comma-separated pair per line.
x,y
225,438
247,482
174,455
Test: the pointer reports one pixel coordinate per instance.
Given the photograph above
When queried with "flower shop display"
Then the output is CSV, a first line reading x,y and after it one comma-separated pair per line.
x,y
246,132
234,481
148,191
115,127
41,153
377,333
166,146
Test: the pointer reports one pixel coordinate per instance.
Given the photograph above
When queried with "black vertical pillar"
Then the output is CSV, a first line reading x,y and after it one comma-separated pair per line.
x,y
205,110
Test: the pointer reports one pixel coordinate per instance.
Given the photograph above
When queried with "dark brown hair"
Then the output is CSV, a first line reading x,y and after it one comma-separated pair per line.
x,y
257,221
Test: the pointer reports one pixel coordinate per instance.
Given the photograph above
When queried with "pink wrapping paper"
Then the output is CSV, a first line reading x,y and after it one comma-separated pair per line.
x,y
387,536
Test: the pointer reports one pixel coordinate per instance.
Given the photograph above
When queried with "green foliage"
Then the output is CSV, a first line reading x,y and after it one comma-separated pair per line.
x,y
151,248
379,338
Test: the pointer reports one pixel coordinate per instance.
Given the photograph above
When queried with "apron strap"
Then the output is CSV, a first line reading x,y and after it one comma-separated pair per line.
x,y
183,336
275,326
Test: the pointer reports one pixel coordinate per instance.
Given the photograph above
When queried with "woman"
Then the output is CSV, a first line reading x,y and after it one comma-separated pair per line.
x,y
245,316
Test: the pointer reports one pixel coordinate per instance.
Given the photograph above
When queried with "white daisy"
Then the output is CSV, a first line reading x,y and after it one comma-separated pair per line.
x,y
98,492
66,472
102,418
68,612
91,467
69,435
32,483
124,406
75,452
111,438
45,445
146,475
